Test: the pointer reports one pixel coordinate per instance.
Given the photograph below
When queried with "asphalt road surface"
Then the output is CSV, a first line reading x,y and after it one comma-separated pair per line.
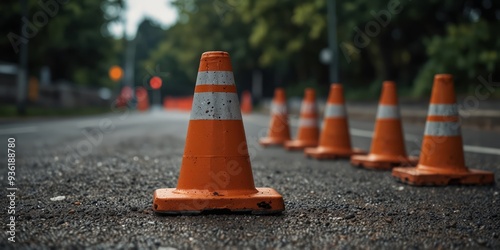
x,y
88,182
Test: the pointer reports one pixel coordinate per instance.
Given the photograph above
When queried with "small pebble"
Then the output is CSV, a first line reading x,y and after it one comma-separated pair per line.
x,y
58,198
350,216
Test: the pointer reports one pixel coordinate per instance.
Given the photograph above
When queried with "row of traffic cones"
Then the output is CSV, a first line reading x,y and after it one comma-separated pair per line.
x,y
216,172
441,160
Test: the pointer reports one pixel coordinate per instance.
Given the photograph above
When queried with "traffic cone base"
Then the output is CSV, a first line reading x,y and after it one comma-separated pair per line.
x,y
299,145
216,172
268,141
173,201
382,162
421,177
324,153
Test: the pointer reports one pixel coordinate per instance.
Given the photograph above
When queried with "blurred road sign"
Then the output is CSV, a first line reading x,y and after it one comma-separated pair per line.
x,y
115,73
155,82
325,56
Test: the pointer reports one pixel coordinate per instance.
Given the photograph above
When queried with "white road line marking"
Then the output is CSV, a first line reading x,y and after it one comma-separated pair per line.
x,y
408,137
361,133
21,130
482,150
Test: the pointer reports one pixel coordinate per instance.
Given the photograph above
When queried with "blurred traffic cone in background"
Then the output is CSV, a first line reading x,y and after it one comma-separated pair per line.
x,y
246,102
142,99
442,156
308,133
216,173
335,140
388,144
279,131
125,96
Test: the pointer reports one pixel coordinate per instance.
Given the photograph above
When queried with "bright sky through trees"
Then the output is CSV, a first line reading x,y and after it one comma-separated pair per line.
x,y
136,10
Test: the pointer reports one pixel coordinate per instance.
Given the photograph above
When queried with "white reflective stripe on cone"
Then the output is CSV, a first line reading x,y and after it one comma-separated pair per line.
x,y
335,110
388,112
278,109
308,107
443,110
442,128
215,78
308,122
215,106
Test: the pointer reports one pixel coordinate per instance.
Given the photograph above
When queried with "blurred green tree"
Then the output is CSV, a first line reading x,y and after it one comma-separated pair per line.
x,y
68,36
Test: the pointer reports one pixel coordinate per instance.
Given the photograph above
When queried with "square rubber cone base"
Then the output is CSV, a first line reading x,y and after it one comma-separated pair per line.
x,y
376,163
417,177
265,201
322,153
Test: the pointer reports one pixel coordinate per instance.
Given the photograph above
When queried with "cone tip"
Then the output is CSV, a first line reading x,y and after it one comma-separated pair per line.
x,y
389,94
336,85
443,91
443,77
310,94
336,95
389,82
215,54
215,61
279,95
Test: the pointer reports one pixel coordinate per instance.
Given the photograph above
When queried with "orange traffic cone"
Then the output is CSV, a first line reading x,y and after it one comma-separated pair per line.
x,y
216,173
388,144
335,141
279,131
308,124
442,156
246,102
142,99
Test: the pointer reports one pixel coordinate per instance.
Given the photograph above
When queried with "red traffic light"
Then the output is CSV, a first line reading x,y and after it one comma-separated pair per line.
x,y
155,82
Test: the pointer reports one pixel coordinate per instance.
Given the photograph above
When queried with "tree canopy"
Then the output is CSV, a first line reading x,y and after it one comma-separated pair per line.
x,y
402,40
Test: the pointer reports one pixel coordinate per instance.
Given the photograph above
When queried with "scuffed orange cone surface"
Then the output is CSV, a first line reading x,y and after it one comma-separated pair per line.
x,y
216,173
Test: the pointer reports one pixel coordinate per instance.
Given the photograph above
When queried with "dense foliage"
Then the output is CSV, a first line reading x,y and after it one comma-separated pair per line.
x,y
407,41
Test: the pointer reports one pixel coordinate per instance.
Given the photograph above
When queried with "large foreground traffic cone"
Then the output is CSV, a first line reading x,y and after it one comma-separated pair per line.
x,y
335,140
442,156
388,144
216,173
308,133
142,99
246,102
279,131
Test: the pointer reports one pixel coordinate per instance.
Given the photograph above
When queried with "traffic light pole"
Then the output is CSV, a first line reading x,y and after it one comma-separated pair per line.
x,y
22,71
332,40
